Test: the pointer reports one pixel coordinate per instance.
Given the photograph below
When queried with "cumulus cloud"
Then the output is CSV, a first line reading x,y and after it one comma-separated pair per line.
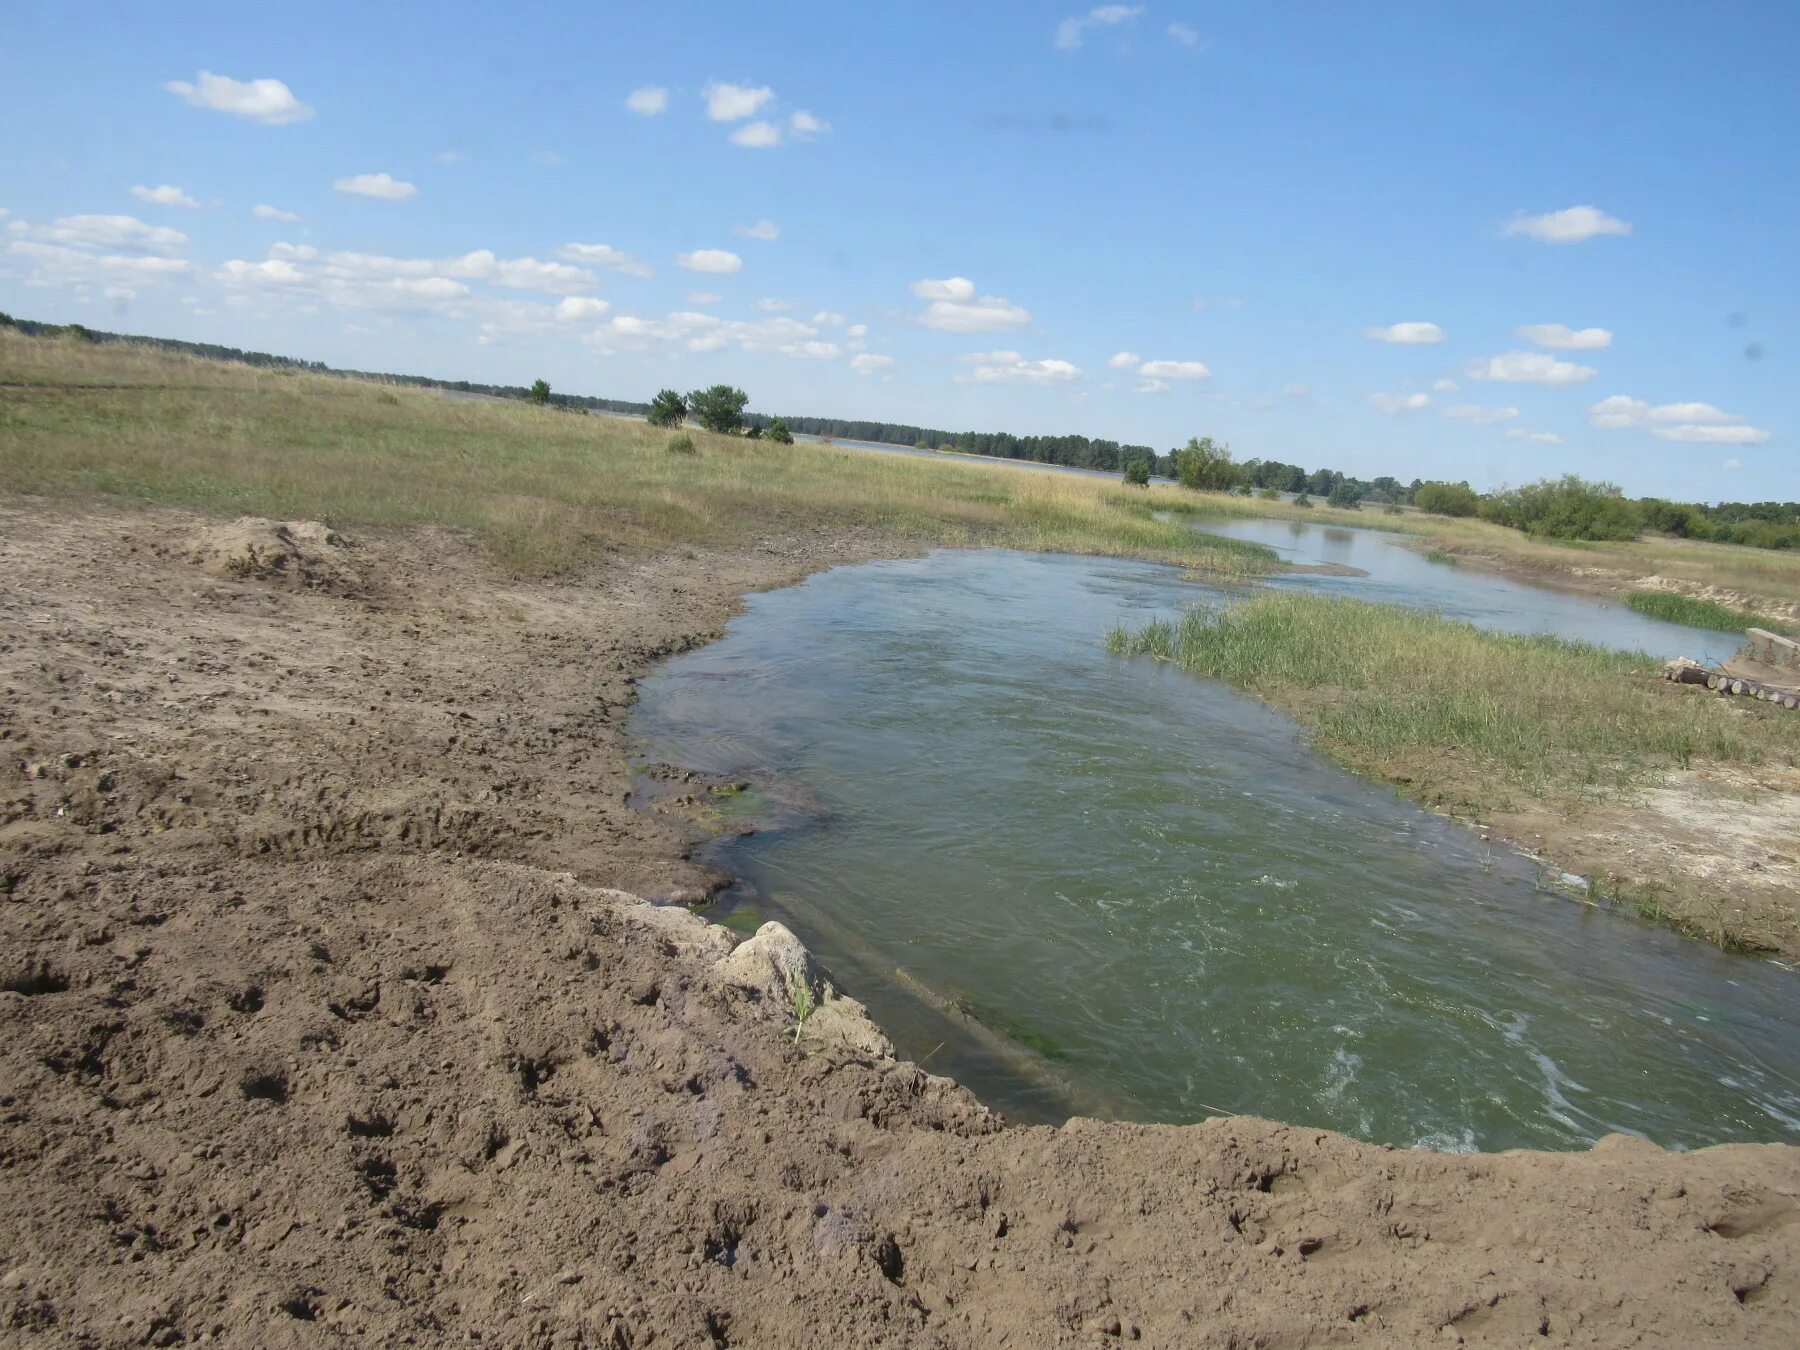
x,y
1692,423
734,102
603,255
1732,464
1563,338
1174,370
805,126
1410,334
709,260
699,332
1151,387
1395,404
826,318
1528,368
274,271
1445,386
858,330
381,186
1071,31
99,232
59,264
1183,35
757,136
955,308
1533,437
164,196
649,102
263,211
1573,226
519,274
703,298
868,363
1012,368
267,101
765,230
577,307
1474,412
770,305
1124,360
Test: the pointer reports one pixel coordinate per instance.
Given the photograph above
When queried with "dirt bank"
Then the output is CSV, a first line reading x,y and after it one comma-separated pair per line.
x,y
321,1025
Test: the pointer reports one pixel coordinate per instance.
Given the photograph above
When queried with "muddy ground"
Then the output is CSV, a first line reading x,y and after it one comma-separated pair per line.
x,y
321,1025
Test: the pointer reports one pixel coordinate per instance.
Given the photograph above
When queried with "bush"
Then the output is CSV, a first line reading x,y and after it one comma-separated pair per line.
x,y
778,432
1205,465
1565,508
1345,496
1137,473
682,444
1303,500
667,409
540,391
720,408
1270,494
1447,499
1761,534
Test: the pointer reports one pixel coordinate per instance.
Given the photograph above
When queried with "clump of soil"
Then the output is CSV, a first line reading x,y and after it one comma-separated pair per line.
x,y
329,1014
298,552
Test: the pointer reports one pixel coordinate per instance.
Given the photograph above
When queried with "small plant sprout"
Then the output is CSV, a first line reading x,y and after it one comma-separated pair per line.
x,y
800,991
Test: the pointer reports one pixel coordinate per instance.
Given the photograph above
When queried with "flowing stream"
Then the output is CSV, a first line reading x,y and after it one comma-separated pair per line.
x,y
1085,884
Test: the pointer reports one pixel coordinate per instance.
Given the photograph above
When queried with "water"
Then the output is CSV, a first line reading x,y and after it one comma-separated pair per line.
x,y
1400,576
1082,883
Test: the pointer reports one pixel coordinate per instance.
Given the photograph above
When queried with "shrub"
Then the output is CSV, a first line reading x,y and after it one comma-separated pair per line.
x,y
1303,500
1447,499
1270,494
1345,496
540,391
1565,508
667,409
1137,473
682,444
720,408
1205,465
778,432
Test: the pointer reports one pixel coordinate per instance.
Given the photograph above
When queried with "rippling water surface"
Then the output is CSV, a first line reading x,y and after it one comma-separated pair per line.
x,y
1081,883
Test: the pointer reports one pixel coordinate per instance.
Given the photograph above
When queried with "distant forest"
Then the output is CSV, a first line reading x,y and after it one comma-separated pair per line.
x,y
1073,451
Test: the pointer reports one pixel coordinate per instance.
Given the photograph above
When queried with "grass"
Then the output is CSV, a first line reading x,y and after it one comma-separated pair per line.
x,y
1694,613
1460,716
545,489
1771,574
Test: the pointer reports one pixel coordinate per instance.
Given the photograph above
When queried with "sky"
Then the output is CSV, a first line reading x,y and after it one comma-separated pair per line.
x,y
1432,240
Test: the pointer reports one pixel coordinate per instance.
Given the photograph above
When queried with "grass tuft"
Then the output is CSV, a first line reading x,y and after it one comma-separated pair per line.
x,y
1685,609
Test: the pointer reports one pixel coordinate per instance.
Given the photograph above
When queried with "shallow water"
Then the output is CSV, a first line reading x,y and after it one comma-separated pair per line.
x,y
1401,576
1082,883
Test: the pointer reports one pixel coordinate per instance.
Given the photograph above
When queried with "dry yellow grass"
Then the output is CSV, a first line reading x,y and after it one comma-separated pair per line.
x,y
542,486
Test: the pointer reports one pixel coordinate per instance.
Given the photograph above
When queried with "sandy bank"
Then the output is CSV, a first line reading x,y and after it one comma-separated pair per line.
x,y
325,1019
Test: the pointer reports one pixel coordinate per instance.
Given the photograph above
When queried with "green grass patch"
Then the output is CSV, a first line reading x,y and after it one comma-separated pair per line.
x,y
1685,609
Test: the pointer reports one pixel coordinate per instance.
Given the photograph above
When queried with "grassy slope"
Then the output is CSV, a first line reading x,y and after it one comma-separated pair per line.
x,y
1768,573
544,488
1480,723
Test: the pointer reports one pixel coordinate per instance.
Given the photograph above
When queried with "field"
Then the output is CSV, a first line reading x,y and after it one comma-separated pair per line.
x,y
544,489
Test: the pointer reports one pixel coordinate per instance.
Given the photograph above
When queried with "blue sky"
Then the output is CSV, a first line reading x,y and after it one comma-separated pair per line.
x,y
1427,239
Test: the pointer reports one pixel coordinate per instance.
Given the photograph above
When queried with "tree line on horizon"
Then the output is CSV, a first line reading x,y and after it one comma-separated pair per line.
x,y
1569,507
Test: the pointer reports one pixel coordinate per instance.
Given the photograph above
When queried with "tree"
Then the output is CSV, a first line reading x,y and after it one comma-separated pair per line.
x,y
1446,499
1137,473
755,433
667,409
1303,500
720,408
540,391
1345,496
1205,465
778,432
1565,508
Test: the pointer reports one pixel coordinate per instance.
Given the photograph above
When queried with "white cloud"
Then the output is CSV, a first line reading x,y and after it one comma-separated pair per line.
x,y
1071,31
263,211
1528,368
293,252
703,298
382,186
62,265
1399,403
1124,360
1012,368
955,308
805,126
825,318
1181,33
734,102
1733,463
1474,412
707,333
1534,437
1692,423
757,136
1151,387
1445,386
858,330
268,101
766,230
1572,226
577,307
164,196
119,232
448,157
648,102
770,305
1174,370
868,363
709,260
521,274
1407,334
1564,338
603,255
1712,435
275,271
